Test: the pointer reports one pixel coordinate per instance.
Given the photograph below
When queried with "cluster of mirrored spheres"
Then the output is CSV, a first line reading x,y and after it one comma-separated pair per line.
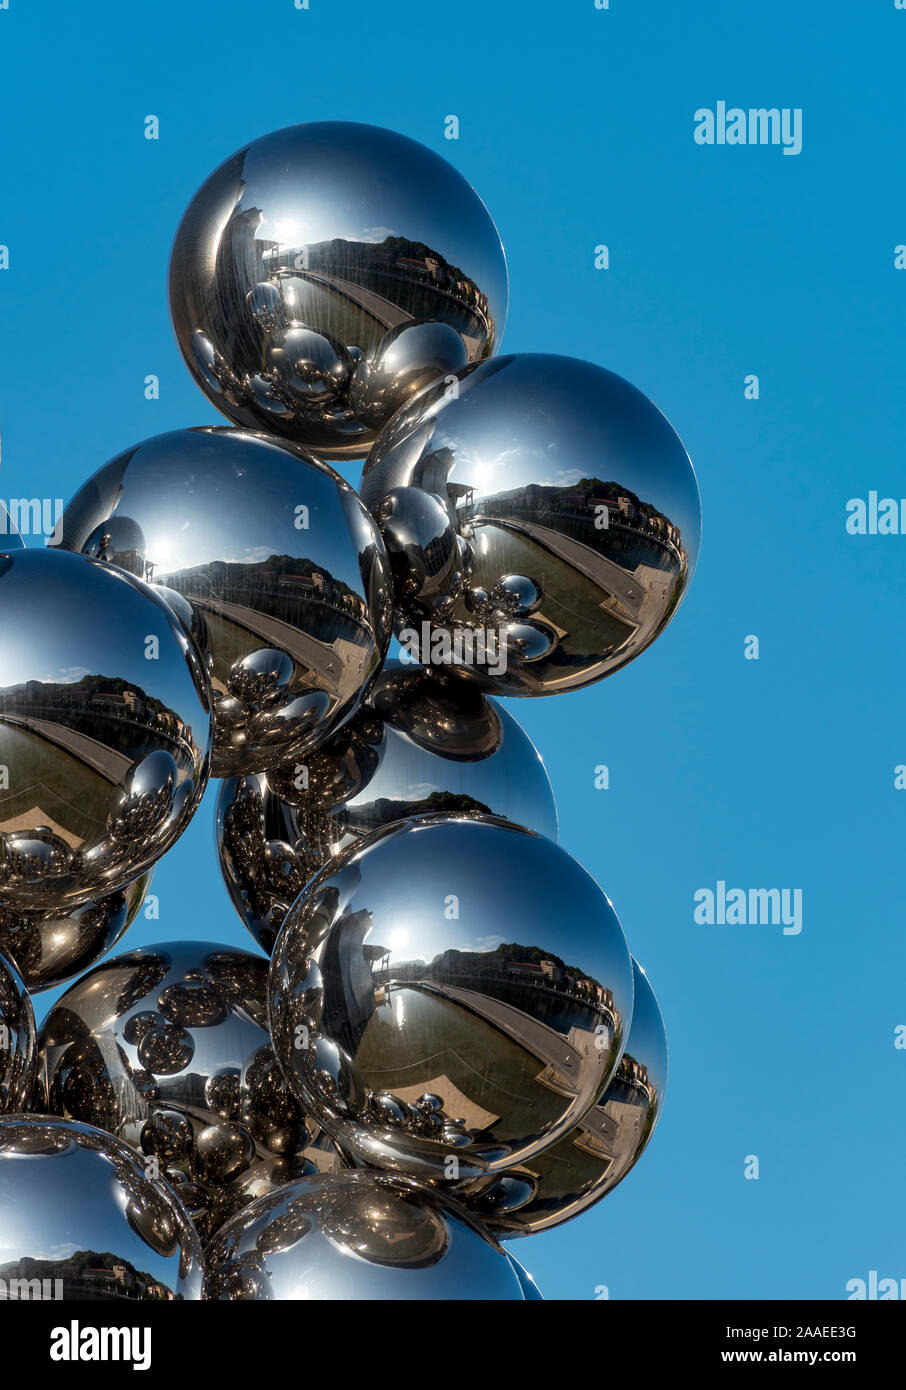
x,y
438,1040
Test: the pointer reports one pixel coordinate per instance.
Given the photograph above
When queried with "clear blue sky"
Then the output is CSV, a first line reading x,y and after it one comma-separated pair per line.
x,y
576,129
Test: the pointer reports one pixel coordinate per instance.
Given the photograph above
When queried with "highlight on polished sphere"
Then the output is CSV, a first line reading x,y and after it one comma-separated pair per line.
x,y
542,522
105,730
269,558
50,948
450,997
80,1214
167,1048
418,745
589,1162
325,273
18,1045
359,1236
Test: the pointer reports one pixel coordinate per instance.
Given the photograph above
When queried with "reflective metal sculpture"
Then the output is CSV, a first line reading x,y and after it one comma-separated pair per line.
x,y
572,505
18,1050
282,567
105,730
357,1236
81,1218
571,1176
450,997
167,1048
325,273
419,744
50,948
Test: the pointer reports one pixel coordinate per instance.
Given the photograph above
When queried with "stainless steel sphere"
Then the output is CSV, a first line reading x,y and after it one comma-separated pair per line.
x,y
167,1048
326,273
570,1177
418,745
277,569
574,506
105,730
450,997
81,1218
362,1236
18,1045
50,948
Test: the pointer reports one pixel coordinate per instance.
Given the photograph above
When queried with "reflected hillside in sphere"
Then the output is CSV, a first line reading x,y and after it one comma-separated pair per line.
x,y
419,745
326,273
572,505
450,986
80,1215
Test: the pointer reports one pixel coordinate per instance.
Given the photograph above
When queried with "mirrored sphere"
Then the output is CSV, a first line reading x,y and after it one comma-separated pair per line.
x,y
326,273
18,1048
50,948
80,1218
573,1174
357,1236
577,503
277,567
167,1048
418,745
105,730
450,997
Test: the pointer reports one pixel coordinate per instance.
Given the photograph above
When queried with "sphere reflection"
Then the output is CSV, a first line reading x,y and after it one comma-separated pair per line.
x,y
577,503
326,273
50,948
277,564
357,1236
573,1174
167,1048
105,730
418,745
81,1218
450,997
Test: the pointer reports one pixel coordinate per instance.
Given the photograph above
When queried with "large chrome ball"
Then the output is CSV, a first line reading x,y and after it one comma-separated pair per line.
x,y
277,568
167,1048
105,730
325,273
50,948
575,508
358,1236
450,997
82,1219
18,1046
418,745
570,1177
